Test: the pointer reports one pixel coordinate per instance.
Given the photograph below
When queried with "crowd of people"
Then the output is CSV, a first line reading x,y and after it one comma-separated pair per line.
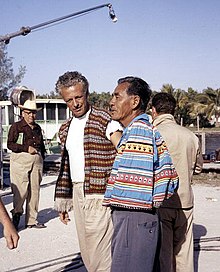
x,y
127,178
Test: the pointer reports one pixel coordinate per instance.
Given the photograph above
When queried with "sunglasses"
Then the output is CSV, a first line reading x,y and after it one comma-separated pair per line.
x,y
30,112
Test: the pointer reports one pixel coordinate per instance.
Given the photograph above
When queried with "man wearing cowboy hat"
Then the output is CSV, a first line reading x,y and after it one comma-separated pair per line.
x,y
25,140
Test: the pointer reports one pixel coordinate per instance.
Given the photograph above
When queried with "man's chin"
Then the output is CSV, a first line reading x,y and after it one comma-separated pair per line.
x,y
114,116
78,114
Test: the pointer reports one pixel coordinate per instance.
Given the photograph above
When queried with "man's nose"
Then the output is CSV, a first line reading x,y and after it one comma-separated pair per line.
x,y
111,103
74,103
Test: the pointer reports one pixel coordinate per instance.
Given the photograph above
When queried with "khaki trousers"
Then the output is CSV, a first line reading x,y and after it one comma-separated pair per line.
x,y
94,229
184,256
26,175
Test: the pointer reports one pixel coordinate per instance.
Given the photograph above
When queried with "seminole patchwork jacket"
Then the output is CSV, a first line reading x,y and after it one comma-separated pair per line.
x,y
143,174
99,157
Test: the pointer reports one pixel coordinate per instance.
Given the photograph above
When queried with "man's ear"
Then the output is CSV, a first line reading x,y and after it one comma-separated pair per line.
x,y
154,112
135,101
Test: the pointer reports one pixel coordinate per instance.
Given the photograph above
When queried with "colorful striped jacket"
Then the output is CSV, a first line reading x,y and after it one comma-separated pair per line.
x,y
143,174
99,157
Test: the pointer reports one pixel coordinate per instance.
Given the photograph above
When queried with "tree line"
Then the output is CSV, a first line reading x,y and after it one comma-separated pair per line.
x,y
191,104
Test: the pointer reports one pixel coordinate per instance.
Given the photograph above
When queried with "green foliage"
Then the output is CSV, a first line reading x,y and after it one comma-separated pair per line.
x,y
8,79
100,100
52,95
191,105
207,104
182,115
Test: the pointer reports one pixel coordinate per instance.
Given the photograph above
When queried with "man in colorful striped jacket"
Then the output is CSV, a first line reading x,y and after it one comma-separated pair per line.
x,y
142,177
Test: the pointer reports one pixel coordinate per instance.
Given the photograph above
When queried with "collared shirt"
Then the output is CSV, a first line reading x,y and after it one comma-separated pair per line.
x,y
21,136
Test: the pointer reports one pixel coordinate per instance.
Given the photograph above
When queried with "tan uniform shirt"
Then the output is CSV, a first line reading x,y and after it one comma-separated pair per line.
x,y
184,149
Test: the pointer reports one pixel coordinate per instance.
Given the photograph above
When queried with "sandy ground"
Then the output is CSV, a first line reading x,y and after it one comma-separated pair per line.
x,y
56,247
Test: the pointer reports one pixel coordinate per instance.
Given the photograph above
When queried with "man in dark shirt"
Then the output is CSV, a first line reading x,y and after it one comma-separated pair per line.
x,y
25,140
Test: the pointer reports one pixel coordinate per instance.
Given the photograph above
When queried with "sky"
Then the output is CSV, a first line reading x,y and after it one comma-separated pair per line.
x,y
162,41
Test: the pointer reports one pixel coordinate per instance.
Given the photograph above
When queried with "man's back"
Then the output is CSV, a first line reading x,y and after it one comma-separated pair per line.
x,y
183,146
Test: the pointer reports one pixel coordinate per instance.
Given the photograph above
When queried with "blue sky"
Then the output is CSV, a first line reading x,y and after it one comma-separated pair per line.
x,y
162,41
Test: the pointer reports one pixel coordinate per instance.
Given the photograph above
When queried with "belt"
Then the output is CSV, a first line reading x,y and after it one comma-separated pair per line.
x,y
116,208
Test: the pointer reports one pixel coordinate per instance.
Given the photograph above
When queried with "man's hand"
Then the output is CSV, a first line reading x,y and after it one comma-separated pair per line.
x,y
115,138
64,217
11,235
32,150
9,231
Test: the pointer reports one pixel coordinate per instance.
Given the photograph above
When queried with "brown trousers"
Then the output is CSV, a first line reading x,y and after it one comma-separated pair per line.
x,y
176,253
26,175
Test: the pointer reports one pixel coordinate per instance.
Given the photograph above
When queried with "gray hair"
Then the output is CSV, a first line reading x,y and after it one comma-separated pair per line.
x,y
70,79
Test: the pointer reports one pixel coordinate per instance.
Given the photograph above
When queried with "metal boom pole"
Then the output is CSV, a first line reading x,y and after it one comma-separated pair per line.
x,y
26,30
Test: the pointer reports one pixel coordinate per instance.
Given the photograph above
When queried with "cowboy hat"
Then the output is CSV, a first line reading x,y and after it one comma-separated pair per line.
x,y
29,105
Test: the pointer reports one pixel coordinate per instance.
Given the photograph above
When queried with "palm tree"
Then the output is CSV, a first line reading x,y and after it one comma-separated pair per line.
x,y
167,88
182,111
208,104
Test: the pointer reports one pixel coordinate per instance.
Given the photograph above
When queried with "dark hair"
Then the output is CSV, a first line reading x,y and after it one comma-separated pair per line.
x,y
138,86
70,79
164,103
